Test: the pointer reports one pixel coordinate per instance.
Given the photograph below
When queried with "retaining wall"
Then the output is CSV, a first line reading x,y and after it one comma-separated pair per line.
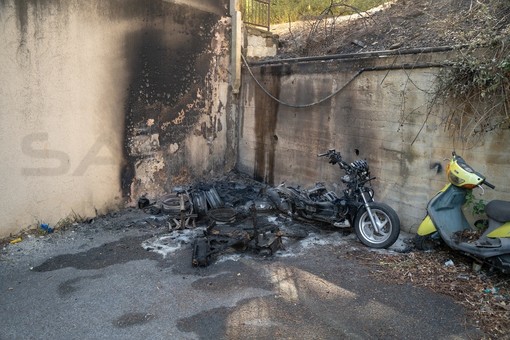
x,y
379,107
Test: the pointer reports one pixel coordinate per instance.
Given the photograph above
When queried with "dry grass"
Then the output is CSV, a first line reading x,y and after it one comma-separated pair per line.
x,y
484,294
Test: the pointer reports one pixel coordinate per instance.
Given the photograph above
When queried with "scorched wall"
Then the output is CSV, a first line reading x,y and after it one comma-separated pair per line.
x,y
102,101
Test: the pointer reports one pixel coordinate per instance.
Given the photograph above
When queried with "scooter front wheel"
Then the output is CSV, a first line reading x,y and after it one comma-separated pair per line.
x,y
389,226
425,242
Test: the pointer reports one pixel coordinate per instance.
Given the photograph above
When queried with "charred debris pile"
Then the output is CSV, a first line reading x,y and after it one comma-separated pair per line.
x,y
234,213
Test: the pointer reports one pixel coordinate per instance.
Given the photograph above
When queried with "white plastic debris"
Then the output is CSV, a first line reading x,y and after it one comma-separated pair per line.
x,y
449,263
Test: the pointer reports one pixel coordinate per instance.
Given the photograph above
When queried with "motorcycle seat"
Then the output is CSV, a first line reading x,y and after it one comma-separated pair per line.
x,y
498,210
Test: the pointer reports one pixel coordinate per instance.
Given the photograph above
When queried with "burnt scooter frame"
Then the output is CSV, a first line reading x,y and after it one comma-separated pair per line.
x,y
265,240
376,224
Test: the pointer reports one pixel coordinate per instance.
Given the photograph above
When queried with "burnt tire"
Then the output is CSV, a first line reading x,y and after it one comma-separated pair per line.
x,y
390,226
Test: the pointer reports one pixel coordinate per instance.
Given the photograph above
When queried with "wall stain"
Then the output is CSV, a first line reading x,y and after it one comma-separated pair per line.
x,y
266,116
170,52
437,167
347,120
110,9
39,10
168,63
168,60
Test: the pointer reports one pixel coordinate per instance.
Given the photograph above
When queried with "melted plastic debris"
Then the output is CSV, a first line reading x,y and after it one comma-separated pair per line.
x,y
169,243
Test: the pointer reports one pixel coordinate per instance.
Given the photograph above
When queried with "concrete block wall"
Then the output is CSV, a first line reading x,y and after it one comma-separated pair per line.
x,y
383,112
259,43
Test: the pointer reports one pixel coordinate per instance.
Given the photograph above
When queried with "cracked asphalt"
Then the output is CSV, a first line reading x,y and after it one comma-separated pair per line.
x,y
96,281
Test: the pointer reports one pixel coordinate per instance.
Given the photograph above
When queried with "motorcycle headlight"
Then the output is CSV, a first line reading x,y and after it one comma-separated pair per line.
x,y
455,179
462,175
360,165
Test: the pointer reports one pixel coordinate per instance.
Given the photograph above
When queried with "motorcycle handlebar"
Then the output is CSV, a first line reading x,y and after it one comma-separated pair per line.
x,y
327,153
492,186
368,180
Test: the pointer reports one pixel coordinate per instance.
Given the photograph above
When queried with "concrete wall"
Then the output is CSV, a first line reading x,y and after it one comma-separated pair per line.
x,y
379,112
101,100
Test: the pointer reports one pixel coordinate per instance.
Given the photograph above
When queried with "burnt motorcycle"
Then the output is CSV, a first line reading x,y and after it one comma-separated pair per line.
x,y
376,224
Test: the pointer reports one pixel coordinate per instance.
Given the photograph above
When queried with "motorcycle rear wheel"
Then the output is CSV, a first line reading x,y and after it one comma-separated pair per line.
x,y
390,226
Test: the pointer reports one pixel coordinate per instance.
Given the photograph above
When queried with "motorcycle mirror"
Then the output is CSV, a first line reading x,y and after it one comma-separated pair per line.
x,y
356,151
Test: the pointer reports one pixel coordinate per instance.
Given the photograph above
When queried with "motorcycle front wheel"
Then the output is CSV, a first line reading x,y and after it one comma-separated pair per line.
x,y
389,226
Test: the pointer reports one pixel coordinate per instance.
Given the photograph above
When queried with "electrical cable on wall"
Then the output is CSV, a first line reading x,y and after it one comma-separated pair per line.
x,y
360,71
299,106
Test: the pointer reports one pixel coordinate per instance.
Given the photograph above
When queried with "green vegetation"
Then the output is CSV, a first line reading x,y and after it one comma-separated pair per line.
x,y
477,82
283,11
477,205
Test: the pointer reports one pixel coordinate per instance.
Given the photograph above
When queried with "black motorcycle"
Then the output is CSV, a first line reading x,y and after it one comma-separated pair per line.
x,y
376,224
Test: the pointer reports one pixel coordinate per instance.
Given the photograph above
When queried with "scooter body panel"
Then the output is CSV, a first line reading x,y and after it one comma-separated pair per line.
x,y
445,210
503,231
481,252
445,213
426,227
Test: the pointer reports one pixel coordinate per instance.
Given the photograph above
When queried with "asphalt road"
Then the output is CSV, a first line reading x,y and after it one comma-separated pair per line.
x,y
95,281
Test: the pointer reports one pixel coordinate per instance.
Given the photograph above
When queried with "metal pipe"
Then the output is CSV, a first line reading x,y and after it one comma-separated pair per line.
x,y
358,55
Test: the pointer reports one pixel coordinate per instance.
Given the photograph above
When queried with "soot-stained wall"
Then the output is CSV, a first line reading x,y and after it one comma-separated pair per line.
x,y
177,106
104,100
382,112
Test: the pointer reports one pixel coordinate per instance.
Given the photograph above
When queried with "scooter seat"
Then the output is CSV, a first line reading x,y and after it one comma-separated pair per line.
x,y
498,210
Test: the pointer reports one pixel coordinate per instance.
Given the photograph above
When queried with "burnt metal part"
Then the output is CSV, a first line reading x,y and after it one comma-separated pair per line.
x,y
185,217
177,206
222,215
206,196
215,241
263,205
201,252
152,209
213,199
272,243
199,202
227,205
174,204
264,239
143,202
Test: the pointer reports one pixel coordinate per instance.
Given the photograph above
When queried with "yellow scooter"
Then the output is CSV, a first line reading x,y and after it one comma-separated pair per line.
x,y
445,219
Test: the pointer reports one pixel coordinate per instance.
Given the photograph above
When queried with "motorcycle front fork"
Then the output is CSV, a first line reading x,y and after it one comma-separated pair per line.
x,y
373,217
